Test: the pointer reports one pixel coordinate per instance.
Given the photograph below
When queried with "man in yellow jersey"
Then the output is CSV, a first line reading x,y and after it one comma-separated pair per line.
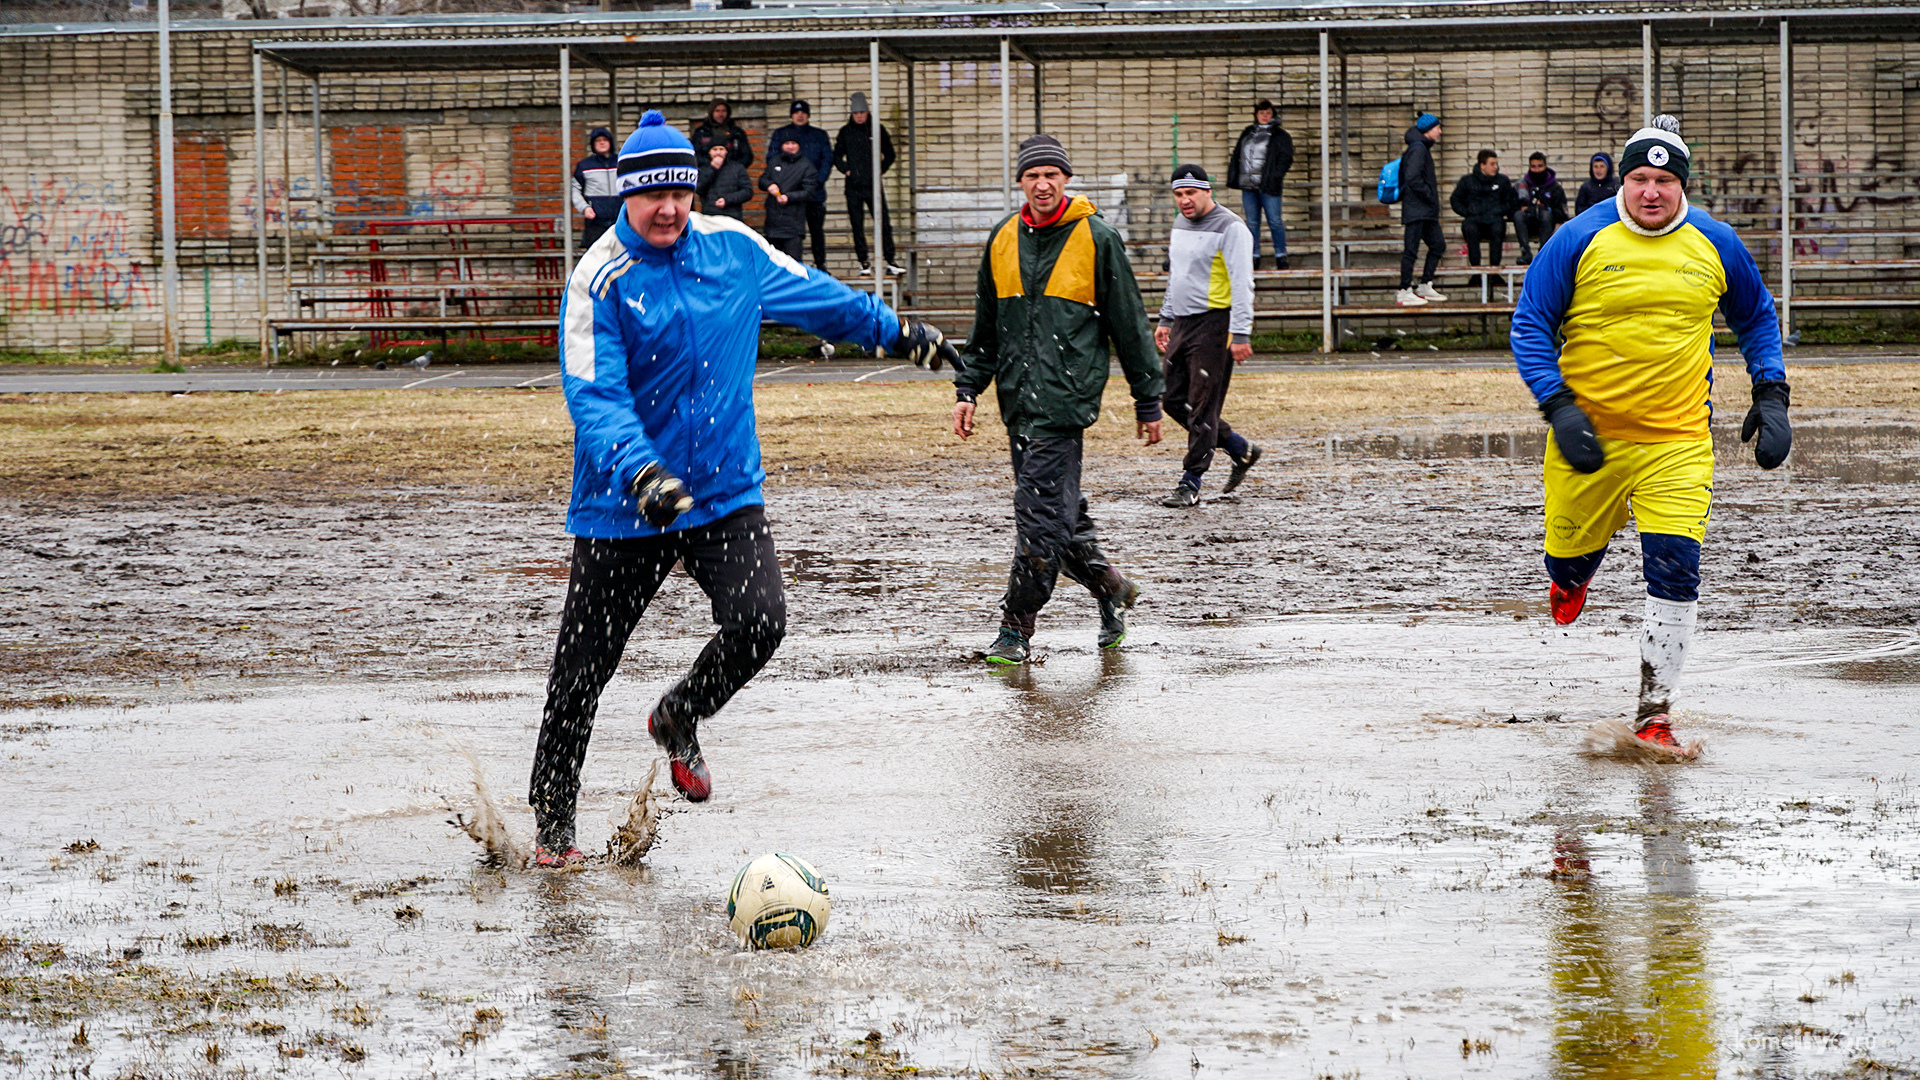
x,y
1613,333
1054,290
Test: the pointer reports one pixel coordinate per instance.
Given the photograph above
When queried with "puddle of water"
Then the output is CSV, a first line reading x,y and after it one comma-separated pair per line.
x,y
1297,847
1849,453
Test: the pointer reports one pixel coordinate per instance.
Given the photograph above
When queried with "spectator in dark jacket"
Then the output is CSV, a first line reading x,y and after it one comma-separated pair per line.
x,y
1484,199
789,181
1543,205
1420,211
724,187
595,193
817,148
853,156
1601,186
1260,162
720,128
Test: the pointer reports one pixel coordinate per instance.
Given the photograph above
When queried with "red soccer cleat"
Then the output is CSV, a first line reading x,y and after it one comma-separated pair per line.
x,y
686,766
1566,603
1657,731
547,859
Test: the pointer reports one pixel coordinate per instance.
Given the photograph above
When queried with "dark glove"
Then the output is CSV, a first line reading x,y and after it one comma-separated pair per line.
x,y
1573,432
1768,417
926,346
662,496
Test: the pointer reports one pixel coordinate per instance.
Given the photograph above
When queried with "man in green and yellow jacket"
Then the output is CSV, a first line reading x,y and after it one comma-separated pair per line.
x,y
1055,291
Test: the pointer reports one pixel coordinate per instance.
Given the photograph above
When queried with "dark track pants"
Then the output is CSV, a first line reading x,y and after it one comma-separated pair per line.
x,y
860,215
817,229
1415,233
612,581
1053,532
1492,233
1199,366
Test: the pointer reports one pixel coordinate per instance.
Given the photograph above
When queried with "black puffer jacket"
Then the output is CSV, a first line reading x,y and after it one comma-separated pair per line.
x,y
853,153
729,182
1419,182
1279,158
796,179
710,131
1484,199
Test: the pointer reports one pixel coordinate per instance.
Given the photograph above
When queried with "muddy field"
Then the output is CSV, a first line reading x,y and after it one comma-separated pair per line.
x,y
1325,815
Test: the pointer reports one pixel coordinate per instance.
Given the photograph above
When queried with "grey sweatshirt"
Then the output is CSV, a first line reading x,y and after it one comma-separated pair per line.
x,y
1210,264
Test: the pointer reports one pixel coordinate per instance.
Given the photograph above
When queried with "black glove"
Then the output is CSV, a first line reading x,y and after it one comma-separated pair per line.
x,y
1768,417
1573,432
926,346
662,496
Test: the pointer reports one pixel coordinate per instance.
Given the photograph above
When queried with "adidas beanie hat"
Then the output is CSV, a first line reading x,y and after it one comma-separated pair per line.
x,y
656,156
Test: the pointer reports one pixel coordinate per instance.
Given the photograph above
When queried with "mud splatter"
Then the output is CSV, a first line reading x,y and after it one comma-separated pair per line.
x,y
486,826
635,830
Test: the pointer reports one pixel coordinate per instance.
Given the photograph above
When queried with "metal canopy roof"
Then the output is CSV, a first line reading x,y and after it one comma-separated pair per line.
x,y
1062,33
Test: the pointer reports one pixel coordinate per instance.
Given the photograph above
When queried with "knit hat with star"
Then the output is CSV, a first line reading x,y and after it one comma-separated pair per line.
x,y
656,156
1660,146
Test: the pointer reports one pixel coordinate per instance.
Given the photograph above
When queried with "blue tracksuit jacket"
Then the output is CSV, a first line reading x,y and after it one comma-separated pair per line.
x,y
657,348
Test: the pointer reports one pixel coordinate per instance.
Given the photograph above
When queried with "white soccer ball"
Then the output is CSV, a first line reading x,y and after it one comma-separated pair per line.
x,y
777,902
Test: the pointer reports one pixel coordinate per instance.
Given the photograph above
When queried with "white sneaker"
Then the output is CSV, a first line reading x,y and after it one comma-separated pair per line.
x,y
1426,291
896,271
1408,298
866,270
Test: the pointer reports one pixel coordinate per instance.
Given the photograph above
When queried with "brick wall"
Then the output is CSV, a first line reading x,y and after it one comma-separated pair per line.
x,y
369,173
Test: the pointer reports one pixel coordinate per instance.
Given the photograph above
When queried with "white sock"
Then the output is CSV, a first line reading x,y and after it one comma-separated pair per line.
x,y
1666,630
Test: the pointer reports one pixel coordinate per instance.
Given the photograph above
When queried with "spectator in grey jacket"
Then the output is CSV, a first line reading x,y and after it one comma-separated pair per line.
x,y
724,187
1420,211
789,181
1260,162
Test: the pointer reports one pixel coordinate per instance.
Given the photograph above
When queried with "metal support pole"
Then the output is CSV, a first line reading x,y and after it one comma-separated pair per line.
x,y
1006,130
1646,74
1039,107
169,260
260,197
566,139
613,105
913,163
1326,210
286,186
1786,180
322,193
879,214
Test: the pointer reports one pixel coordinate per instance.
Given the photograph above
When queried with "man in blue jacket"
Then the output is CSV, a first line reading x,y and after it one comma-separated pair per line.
x,y
659,334
1613,333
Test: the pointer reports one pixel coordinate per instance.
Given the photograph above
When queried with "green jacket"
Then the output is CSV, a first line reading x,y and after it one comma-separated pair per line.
x,y
1048,305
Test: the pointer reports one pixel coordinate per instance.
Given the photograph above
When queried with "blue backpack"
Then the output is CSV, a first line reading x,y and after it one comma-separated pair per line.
x,y
1390,181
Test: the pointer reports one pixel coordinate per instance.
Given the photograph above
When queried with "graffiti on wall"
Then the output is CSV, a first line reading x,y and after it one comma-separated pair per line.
x,y
285,199
64,247
1835,189
455,187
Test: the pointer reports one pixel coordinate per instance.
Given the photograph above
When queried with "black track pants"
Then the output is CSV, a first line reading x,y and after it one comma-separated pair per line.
x,y
1417,233
1053,530
612,582
1199,366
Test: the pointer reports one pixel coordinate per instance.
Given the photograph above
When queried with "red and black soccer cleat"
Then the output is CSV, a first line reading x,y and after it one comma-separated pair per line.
x,y
1656,730
1566,603
685,765
547,859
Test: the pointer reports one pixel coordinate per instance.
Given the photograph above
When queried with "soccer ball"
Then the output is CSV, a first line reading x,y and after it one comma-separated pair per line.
x,y
777,902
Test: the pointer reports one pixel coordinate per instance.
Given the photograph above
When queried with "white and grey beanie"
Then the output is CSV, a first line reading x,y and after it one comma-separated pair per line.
x,y
1660,146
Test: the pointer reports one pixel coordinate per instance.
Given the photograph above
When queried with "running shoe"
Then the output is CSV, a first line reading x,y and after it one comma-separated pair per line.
x,y
896,271
1427,292
548,859
1113,613
1009,648
1184,496
1240,467
1657,731
1566,603
687,768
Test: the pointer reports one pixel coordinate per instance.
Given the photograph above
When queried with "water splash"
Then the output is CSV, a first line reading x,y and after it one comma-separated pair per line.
x,y
487,827
635,833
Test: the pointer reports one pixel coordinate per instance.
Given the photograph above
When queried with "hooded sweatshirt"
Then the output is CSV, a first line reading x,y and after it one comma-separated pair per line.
x,y
1542,191
1594,191
594,182
714,130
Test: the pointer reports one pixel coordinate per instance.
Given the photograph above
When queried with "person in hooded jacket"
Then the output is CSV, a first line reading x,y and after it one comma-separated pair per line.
x,y
1600,185
816,146
725,187
719,128
789,181
594,194
853,156
1260,161
659,333
1420,212
1484,199
1543,205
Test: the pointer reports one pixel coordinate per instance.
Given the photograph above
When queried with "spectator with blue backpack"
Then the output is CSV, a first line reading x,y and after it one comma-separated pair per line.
x,y
1419,191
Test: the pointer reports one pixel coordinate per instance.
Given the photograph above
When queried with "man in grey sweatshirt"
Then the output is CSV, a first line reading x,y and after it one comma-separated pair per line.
x,y
1205,321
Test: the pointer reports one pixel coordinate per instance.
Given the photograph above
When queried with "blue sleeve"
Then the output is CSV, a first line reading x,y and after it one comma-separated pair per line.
x,y
1544,298
1748,303
818,303
593,364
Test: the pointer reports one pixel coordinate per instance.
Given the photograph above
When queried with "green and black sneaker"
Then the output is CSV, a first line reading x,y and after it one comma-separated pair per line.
x,y
1009,648
1113,613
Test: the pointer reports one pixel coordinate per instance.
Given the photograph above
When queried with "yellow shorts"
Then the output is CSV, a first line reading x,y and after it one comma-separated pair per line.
x,y
1667,486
